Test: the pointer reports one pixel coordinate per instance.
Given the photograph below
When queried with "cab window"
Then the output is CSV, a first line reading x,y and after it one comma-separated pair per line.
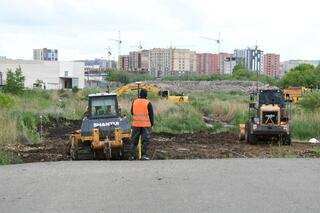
x,y
103,106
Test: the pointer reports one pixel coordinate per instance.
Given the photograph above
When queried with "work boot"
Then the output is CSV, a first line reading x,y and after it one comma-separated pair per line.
x,y
144,157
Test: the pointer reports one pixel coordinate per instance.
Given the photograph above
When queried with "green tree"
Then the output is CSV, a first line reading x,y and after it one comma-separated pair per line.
x,y
241,73
305,75
14,82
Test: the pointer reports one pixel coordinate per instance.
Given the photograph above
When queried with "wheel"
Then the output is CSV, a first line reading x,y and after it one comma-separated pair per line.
x,y
107,152
126,149
80,150
286,140
250,138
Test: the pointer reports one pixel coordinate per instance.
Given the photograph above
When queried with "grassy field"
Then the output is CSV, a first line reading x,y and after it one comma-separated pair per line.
x,y
21,115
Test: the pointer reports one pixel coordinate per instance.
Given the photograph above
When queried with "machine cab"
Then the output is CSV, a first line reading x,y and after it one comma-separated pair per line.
x,y
271,106
271,97
103,105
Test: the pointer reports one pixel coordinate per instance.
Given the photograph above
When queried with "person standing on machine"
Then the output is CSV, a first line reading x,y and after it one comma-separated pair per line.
x,y
142,121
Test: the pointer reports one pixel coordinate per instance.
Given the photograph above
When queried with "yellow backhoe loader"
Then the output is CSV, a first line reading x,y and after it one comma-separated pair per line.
x,y
175,98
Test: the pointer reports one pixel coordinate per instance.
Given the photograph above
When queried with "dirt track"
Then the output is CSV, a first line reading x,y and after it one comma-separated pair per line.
x,y
202,145
185,146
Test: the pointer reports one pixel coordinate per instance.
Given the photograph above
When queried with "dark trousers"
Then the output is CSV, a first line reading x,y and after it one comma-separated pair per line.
x,y
144,132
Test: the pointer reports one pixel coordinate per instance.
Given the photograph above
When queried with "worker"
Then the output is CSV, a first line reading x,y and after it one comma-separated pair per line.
x,y
142,121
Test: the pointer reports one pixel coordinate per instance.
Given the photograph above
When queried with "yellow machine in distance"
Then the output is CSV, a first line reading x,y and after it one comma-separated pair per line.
x,y
175,98
269,118
294,94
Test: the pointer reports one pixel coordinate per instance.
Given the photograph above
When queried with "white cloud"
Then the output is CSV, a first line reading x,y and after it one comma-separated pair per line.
x,y
82,28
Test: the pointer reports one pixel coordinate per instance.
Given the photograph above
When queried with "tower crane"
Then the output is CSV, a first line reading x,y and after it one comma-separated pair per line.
x,y
218,41
118,41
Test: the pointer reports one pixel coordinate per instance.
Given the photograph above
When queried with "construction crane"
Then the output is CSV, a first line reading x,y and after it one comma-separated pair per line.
x,y
216,40
109,53
138,46
118,41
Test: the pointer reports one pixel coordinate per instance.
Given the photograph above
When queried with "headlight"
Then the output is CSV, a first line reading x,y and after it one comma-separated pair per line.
x,y
254,126
286,128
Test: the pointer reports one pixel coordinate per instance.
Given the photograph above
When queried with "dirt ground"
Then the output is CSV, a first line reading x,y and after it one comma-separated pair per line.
x,y
183,146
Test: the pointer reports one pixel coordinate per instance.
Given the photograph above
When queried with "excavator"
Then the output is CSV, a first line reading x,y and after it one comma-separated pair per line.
x,y
177,98
105,133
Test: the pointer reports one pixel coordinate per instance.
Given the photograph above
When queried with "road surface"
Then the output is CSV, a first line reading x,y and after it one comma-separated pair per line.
x,y
231,185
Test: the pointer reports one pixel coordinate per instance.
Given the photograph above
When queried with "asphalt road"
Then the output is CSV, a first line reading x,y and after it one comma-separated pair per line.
x,y
237,185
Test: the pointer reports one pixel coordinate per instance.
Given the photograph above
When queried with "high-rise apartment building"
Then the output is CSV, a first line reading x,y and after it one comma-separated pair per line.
x,y
160,61
144,54
134,61
139,61
123,62
252,59
218,60
45,54
205,63
228,65
271,64
184,61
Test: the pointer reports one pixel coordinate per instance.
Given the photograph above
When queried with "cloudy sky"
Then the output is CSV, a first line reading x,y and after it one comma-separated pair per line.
x,y
82,29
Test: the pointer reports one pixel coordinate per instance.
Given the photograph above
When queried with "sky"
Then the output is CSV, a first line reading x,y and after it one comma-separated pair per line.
x,y
84,29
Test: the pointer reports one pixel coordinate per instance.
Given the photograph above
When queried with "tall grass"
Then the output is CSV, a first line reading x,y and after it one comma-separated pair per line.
x,y
306,125
180,119
8,129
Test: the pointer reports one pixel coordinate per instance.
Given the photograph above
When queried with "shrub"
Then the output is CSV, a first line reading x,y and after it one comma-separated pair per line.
x,y
6,101
310,101
14,82
8,158
75,89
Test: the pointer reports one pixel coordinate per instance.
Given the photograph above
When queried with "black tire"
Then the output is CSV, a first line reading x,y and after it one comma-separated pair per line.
x,y
126,150
80,151
250,138
286,140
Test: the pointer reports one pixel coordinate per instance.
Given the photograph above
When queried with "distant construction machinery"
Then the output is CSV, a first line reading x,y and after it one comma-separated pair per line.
x,y
294,93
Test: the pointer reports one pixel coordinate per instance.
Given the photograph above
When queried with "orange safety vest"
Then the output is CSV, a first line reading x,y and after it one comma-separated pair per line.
x,y
140,117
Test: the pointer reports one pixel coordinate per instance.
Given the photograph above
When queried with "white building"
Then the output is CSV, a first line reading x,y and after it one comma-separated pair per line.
x,y
228,65
54,74
285,66
252,58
